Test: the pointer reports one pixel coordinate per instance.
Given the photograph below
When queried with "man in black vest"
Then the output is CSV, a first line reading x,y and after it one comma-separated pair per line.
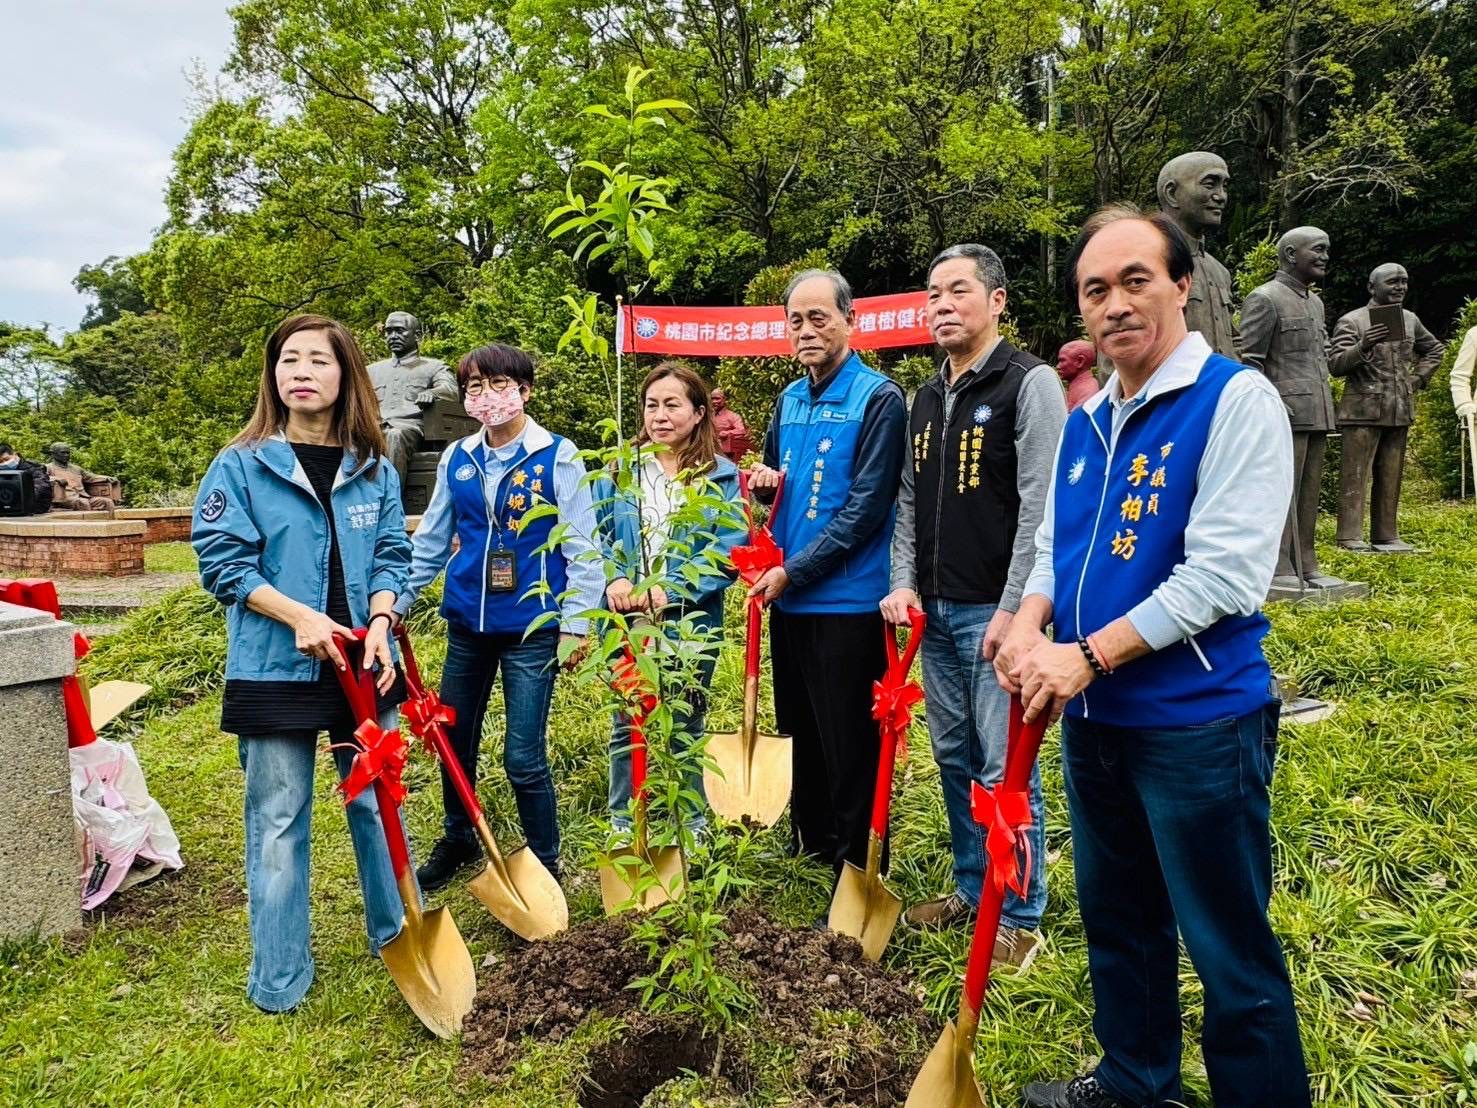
x,y
982,436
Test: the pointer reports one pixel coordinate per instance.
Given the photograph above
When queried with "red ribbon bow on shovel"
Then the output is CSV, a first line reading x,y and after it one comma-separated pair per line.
x,y
1008,816
893,699
382,758
627,680
426,711
761,553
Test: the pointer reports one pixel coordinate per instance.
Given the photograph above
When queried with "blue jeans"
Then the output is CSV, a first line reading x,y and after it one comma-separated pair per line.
x,y
529,667
1170,829
687,728
967,712
279,812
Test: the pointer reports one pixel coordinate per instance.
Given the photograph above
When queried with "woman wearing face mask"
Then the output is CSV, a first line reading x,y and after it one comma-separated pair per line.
x,y
654,530
300,534
485,484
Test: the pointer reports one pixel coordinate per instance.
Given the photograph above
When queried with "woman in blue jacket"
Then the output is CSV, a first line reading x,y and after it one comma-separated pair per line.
x,y
666,556
300,533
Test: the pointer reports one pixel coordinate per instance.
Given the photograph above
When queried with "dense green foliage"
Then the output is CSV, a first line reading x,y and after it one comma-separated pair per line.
x,y
362,157
1373,814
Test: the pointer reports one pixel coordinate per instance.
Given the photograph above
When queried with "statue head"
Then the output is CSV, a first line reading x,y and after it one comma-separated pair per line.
x,y
61,453
1303,253
720,401
1192,191
1075,358
402,333
1389,283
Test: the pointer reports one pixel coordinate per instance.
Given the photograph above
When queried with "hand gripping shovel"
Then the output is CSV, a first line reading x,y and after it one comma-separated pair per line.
x,y
517,888
750,775
947,1078
622,871
428,960
862,905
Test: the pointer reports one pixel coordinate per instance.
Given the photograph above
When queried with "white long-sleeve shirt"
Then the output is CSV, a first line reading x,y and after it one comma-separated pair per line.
x,y
1461,370
1243,487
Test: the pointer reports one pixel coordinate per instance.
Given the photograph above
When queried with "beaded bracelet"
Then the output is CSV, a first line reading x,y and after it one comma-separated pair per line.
x,y
1097,666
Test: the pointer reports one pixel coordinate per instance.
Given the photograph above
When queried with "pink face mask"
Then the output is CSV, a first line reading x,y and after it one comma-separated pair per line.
x,y
493,409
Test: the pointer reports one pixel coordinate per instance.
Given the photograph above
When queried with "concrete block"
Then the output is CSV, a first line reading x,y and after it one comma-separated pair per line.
x,y
38,852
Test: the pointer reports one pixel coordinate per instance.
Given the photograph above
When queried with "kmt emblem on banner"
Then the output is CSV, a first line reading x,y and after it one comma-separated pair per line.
x,y
646,327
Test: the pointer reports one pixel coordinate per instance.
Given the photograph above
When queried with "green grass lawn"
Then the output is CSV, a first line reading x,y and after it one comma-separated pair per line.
x,y
1375,815
169,557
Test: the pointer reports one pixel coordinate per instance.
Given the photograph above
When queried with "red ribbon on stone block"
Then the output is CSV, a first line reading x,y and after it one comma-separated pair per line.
x,y
1008,816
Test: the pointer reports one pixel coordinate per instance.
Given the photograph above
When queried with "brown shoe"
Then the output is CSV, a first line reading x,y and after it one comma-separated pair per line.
x,y
941,912
1015,949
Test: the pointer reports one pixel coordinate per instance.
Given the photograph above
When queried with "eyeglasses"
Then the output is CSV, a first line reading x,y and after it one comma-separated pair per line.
x,y
477,386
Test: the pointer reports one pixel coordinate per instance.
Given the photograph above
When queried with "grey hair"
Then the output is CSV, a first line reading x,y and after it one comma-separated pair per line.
x,y
987,264
839,286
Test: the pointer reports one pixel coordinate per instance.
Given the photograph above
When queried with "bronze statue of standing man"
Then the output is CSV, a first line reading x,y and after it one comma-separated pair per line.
x,y
1382,371
1192,192
1283,334
407,383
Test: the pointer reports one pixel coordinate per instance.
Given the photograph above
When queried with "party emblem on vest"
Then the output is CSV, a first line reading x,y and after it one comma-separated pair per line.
x,y
466,472
646,327
983,413
1075,473
214,506
824,446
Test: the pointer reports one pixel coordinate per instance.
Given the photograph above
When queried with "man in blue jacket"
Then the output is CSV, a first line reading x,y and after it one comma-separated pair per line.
x,y
838,436
1159,540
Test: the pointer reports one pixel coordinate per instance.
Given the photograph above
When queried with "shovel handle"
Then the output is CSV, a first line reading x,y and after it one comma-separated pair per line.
x,y
887,756
1023,742
358,686
438,737
752,635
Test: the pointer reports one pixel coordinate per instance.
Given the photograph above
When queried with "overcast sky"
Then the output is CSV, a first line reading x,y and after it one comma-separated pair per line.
x,y
93,96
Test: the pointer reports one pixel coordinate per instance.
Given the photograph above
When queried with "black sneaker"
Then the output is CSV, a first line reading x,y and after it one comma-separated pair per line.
x,y
448,858
1078,1092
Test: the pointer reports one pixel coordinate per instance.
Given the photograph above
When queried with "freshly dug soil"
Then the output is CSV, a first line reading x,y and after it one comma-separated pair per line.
x,y
801,980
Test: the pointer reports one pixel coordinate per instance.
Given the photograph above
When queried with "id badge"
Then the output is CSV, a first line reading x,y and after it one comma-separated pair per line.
x,y
502,573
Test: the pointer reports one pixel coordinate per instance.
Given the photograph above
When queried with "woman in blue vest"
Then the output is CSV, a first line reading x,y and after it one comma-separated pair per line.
x,y
500,583
675,523
299,533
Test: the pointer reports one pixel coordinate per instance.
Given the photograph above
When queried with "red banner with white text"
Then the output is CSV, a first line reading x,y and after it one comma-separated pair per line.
x,y
881,321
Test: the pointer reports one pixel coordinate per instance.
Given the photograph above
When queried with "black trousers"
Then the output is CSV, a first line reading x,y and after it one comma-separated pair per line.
x,y
824,666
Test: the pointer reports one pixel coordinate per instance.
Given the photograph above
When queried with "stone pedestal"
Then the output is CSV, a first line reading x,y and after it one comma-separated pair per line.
x,y
38,851
1349,590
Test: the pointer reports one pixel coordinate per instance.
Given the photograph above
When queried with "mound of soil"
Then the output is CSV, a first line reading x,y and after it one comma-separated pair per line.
x,y
801,981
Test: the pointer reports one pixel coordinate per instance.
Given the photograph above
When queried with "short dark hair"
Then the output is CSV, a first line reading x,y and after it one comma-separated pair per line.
x,y
5,448
987,264
839,285
495,360
1179,259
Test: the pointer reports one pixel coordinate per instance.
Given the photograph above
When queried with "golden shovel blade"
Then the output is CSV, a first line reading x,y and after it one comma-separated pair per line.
x,y
524,897
618,875
749,782
947,1078
432,967
863,908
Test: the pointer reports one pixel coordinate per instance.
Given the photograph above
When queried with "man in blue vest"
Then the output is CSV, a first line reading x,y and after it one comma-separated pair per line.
x,y
1159,540
838,436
